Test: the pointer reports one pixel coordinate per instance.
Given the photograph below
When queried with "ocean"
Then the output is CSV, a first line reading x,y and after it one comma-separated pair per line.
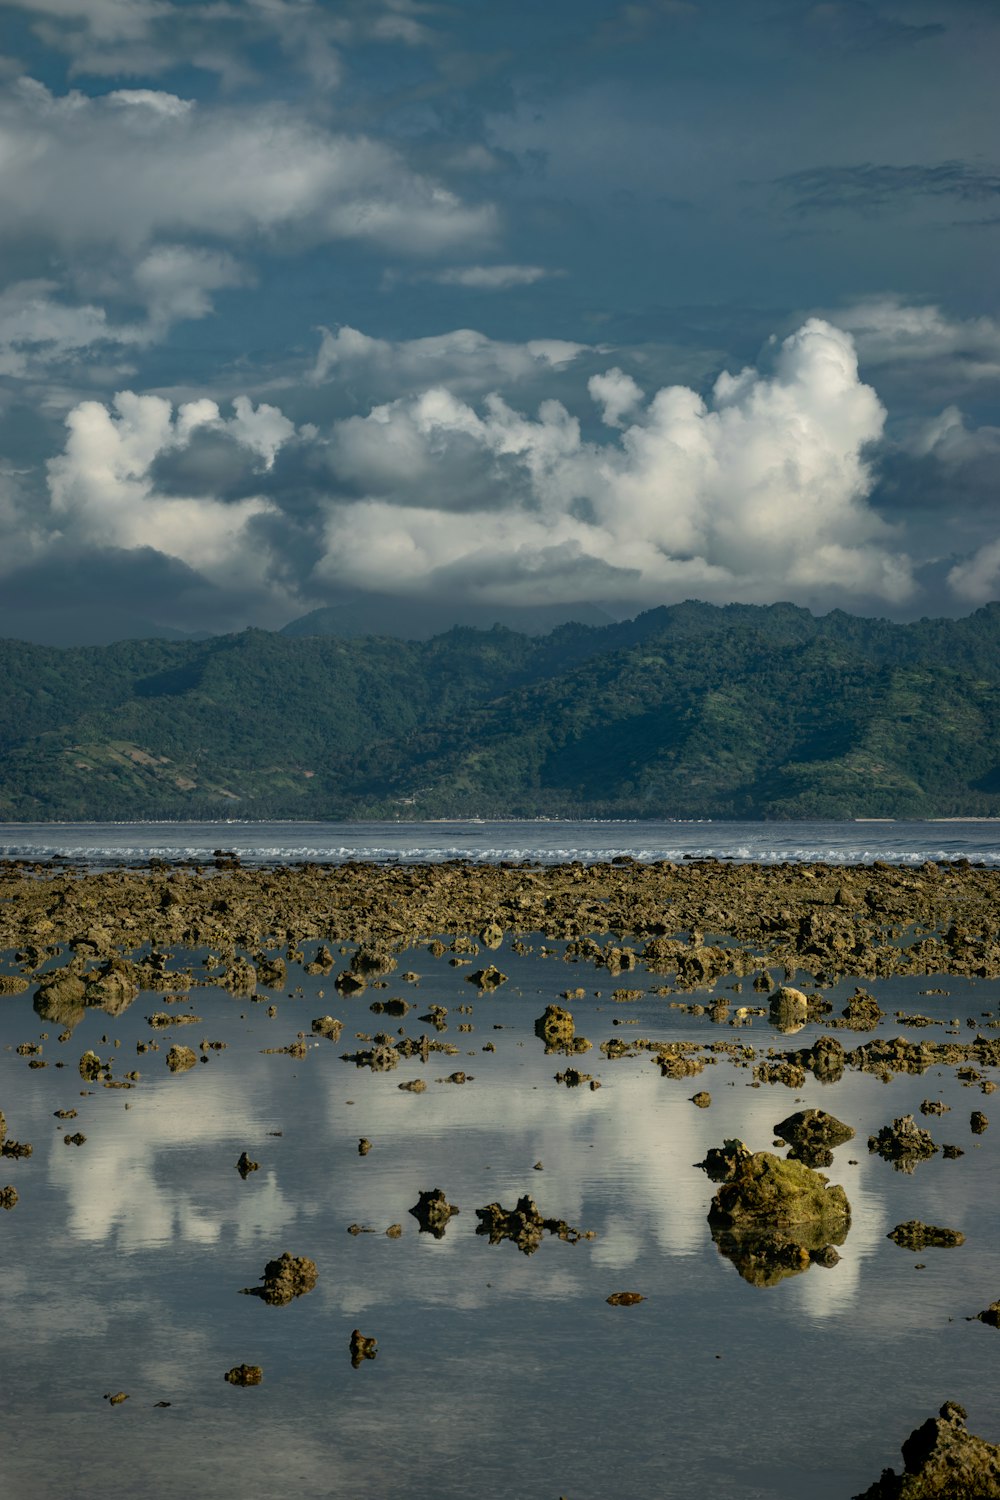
x,y
101,845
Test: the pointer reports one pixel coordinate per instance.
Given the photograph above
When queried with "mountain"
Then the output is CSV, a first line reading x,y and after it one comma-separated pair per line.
x,y
687,711
420,619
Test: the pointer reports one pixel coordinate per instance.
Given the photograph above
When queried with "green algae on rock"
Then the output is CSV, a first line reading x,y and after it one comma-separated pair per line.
x,y
774,1218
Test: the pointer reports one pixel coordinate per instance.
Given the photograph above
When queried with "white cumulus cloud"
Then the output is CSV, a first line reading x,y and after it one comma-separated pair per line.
x,y
103,494
759,493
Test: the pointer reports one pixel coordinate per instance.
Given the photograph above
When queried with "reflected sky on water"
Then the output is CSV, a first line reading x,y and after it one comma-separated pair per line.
x,y
497,1373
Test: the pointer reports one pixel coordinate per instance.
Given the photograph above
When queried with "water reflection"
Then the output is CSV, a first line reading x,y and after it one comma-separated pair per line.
x,y
124,1258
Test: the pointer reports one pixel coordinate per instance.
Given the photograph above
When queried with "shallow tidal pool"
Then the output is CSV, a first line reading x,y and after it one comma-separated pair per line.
x,y
497,1372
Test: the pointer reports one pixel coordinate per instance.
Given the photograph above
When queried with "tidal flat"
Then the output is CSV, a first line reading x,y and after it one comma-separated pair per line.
x,y
216,1068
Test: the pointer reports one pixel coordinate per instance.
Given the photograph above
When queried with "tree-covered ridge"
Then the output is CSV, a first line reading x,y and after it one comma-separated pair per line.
x,y
688,711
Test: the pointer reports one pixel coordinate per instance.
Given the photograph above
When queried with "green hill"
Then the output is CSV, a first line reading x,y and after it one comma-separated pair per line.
x,y
688,711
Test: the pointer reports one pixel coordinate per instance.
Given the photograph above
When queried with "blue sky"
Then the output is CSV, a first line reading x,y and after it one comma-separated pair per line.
x,y
495,305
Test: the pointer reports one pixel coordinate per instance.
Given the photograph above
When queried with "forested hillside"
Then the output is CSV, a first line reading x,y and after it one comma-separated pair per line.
x,y
688,711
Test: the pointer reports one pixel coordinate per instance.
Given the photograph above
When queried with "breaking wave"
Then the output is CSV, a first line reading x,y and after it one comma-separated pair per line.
x,y
102,845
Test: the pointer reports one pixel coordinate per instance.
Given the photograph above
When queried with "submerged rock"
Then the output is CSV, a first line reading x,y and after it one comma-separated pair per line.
x,y
491,936
789,1009
349,984
942,1460
179,1059
812,1135
487,979
284,1279
91,1066
775,1218
625,1299
524,1225
329,1027
904,1143
432,1212
362,1347
373,962
557,1029
915,1235
721,1162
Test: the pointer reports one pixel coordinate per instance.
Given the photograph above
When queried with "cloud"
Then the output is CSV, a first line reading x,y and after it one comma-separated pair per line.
x,y
102,493
616,392
136,166
888,331
491,278
870,186
977,580
108,38
759,494
174,282
463,358
37,330
40,328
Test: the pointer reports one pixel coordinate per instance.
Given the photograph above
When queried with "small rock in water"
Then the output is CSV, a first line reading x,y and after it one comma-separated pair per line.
x,y
287,1277
245,1166
244,1375
432,1212
362,1347
915,1235
625,1299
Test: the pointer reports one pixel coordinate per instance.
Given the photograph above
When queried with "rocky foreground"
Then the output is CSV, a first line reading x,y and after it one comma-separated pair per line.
x,y
100,939
698,921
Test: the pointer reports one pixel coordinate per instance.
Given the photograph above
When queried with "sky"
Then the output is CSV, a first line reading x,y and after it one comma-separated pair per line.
x,y
486,307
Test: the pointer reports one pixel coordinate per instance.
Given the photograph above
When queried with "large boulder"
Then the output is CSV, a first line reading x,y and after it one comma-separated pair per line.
x,y
775,1218
942,1461
812,1135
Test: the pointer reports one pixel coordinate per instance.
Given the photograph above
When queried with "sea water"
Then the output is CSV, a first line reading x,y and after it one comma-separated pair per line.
x,y
97,845
497,1373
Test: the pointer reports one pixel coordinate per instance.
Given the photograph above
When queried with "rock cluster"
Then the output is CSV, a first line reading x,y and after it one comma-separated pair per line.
x,y
524,1225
